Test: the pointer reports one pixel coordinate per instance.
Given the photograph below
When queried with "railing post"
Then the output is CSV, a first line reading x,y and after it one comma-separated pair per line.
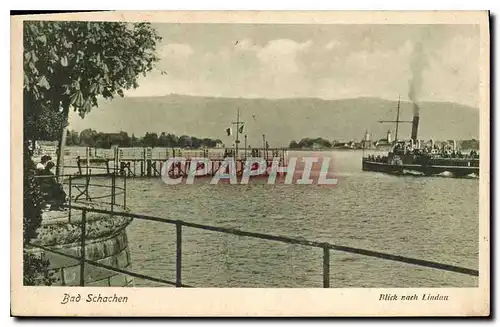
x,y
113,181
125,190
69,200
87,180
326,266
82,247
87,160
178,269
78,165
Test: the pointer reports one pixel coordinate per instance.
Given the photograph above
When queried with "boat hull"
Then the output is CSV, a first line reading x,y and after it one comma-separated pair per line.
x,y
428,170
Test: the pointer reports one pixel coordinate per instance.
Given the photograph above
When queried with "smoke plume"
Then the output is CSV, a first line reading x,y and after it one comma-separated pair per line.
x,y
418,62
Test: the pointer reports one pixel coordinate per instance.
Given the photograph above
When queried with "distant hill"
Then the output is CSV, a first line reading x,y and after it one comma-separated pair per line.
x,y
282,120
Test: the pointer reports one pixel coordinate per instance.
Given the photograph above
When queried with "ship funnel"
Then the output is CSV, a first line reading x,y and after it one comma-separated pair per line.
x,y
416,118
432,144
454,145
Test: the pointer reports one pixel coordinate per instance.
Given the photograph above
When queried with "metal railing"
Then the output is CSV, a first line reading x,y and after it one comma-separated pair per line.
x,y
77,189
180,225
83,188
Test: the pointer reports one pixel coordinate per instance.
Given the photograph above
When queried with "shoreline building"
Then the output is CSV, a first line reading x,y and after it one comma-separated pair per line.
x,y
385,142
366,142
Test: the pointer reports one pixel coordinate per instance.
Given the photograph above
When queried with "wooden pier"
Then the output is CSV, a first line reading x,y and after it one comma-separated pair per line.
x,y
140,162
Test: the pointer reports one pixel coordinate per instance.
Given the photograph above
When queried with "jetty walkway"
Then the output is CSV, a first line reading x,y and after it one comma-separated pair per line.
x,y
144,162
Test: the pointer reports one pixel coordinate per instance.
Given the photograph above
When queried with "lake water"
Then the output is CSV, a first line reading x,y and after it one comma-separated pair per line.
x,y
429,218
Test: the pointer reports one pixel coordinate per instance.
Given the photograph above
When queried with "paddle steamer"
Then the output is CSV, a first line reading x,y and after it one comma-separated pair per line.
x,y
424,158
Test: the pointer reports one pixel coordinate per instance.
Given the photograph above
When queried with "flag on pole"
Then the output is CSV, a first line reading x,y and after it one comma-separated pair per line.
x,y
241,128
229,131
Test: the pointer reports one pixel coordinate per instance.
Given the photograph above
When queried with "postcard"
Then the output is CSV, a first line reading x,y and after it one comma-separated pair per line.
x,y
316,164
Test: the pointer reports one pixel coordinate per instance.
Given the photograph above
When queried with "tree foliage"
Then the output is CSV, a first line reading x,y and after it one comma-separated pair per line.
x,y
90,137
472,144
307,143
70,65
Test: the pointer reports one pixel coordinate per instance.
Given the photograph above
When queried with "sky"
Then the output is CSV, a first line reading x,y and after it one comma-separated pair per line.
x,y
322,61
327,61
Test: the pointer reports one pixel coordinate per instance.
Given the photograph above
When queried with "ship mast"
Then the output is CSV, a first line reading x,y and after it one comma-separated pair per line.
x,y
397,121
237,123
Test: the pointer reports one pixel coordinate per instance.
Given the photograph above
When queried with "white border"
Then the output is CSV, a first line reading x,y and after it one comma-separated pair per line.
x,y
216,4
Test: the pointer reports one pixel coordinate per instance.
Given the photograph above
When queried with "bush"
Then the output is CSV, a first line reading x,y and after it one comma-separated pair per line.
x,y
34,267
